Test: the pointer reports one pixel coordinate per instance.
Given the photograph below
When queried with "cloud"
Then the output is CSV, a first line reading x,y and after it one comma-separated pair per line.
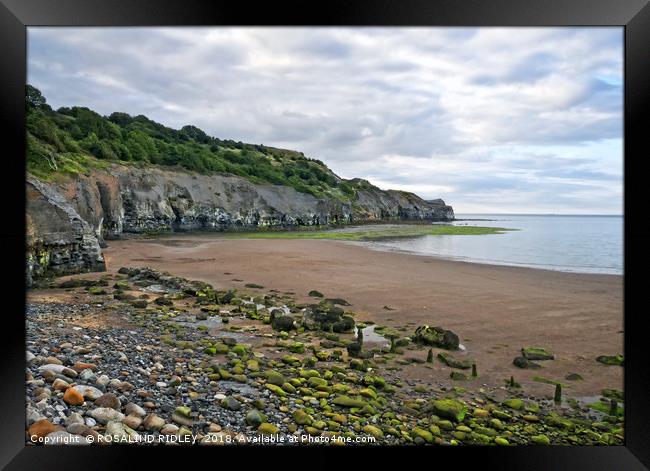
x,y
519,118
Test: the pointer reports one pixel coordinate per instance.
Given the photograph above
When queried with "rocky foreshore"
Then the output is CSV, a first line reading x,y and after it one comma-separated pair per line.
x,y
149,358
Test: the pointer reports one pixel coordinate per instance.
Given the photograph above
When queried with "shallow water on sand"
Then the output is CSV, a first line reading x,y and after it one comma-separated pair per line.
x,y
581,244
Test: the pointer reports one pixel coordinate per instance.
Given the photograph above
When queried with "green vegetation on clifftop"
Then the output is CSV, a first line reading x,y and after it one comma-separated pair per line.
x,y
76,140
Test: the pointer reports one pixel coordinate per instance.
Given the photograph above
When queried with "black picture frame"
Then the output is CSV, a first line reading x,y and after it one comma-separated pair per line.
x,y
633,15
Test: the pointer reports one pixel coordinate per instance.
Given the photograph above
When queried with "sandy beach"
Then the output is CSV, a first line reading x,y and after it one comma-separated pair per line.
x,y
496,310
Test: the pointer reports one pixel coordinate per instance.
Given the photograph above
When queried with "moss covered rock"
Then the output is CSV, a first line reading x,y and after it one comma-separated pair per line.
x,y
450,409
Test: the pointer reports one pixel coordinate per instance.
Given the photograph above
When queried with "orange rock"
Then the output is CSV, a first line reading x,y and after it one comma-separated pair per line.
x,y
53,361
73,397
80,366
42,428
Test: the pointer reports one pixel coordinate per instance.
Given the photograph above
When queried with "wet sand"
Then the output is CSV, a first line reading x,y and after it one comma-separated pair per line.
x,y
495,310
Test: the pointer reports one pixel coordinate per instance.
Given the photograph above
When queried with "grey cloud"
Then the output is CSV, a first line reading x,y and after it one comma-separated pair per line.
x,y
352,97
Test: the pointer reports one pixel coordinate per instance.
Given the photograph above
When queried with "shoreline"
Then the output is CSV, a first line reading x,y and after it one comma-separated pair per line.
x,y
206,358
490,263
498,309
365,244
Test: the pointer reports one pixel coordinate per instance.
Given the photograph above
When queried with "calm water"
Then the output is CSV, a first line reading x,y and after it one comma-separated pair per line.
x,y
585,244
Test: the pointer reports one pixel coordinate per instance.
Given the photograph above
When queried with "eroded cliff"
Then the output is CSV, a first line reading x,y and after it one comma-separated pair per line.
x,y
69,218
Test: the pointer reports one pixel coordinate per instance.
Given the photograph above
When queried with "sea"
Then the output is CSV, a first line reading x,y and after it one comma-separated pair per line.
x,y
570,243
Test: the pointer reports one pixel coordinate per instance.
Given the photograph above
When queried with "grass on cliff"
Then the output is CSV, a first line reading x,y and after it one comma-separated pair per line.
x,y
77,140
372,233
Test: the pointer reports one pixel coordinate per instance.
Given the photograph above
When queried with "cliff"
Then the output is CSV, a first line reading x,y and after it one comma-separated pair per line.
x,y
58,240
69,218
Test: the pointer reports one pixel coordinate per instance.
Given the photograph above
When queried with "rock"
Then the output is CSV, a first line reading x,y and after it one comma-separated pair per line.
x,y
80,366
88,392
285,323
105,414
276,389
58,240
79,429
536,353
573,377
163,301
450,409
169,429
326,316
301,417
60,385
60,369
134,409
74,418
132,421
116,430
454,363
616,360
437,337
516,404
346,401
273,377
43,428
268,429
255,418
53,361
73,397
182,419
374,431
540,440
520,362
231,403
423,434
153,422
108,400
315,294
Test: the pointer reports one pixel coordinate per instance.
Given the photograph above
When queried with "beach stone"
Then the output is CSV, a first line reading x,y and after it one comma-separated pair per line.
x,y
255,418
43,428
536,353
437,337
108,400
116,430
60,385
268,429
79,429
231,403
105,414
73,397
450,409
134,409
74,418
88,392
153,422
80,366
60,369
169,429
132,421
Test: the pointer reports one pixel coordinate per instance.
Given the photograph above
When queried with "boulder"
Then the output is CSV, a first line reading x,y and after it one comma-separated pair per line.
x,y
437,337
536,353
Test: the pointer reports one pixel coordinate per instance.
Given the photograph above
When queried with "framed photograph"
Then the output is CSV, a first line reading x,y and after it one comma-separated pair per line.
x,y
366,226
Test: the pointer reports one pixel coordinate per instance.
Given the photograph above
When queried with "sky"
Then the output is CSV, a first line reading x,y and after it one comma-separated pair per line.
x,y
492,120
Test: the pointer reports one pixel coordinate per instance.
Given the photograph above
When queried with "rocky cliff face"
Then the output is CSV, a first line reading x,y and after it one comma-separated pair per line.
x,y
58,241
71,218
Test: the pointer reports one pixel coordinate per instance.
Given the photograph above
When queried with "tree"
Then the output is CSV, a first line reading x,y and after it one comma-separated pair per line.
x,y
35,99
